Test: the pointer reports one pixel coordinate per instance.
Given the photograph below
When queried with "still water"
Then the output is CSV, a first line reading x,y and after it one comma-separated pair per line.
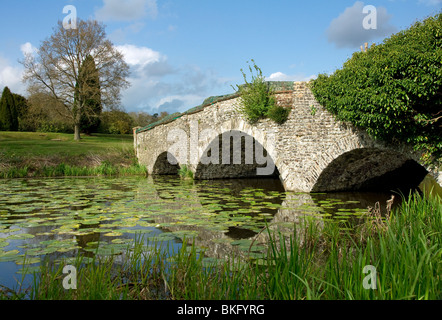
x,y
61,218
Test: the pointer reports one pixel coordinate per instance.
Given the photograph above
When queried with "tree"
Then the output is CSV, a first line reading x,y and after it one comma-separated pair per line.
x,y
90,116
116,122
8,112
394,89
55,69
22,107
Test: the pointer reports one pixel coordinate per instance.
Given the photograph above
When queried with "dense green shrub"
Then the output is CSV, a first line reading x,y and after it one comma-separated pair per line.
x,y
8,112
116,122
278,114
257,97
54,127
394,89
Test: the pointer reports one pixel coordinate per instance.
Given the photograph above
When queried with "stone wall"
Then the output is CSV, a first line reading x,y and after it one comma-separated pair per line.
x,y
302,148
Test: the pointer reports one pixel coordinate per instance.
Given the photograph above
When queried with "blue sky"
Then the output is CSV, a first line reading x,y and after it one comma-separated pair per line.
x,y
181,52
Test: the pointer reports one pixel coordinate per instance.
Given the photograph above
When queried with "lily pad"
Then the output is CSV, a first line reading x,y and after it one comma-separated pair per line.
x,y
27,261
8,255
21,236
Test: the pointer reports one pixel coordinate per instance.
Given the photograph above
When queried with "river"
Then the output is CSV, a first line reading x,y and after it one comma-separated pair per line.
x,y
59,218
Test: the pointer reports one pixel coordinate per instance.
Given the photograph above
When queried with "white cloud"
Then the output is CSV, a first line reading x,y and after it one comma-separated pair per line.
x,y
279,76
347,30
158,86
139,56
11,77
127,10
28,48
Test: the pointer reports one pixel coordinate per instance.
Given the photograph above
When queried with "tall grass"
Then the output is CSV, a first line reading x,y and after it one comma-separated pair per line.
x,y
314,263
185,173
66,170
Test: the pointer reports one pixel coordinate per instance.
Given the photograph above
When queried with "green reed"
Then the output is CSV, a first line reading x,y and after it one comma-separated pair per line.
x,y
65,170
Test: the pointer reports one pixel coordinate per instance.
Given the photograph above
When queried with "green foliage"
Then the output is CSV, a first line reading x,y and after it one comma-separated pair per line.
x,y
21,105
8,112
257,98
116,122
89,84
278,114
185,173
54,127
394,90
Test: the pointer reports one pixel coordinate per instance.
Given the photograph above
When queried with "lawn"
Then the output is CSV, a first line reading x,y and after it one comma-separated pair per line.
x,y
49,144
29,154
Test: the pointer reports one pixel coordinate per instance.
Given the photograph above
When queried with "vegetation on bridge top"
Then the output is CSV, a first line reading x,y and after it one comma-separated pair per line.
x,y
394,89
275,86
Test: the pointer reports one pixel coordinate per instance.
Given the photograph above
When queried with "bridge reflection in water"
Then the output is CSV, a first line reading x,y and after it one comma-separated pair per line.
x,y
262,200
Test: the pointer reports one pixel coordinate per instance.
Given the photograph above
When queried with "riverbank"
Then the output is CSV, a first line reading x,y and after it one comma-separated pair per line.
x,y
32,155
386,258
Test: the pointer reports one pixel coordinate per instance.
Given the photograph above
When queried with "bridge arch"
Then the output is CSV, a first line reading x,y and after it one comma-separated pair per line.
x,y
235,154
371,169
165,164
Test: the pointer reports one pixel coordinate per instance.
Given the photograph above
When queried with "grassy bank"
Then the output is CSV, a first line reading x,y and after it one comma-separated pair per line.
x,y
24,154
405,248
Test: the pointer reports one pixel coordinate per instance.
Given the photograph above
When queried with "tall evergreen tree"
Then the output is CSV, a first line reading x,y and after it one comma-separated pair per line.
x,y
8,112
21,104
89,85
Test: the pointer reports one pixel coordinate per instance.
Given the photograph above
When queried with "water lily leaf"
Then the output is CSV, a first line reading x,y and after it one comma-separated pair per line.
x,y
27,261
22,236
63,250
4,244
6,256
90,221
113,234
122,241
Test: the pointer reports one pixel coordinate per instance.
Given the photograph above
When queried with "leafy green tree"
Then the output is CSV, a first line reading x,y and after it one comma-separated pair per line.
x,y
394,89
116,122
22,107
8,112
91,96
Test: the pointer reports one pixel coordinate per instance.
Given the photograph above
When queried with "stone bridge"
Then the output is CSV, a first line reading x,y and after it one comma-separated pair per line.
x,y
310,152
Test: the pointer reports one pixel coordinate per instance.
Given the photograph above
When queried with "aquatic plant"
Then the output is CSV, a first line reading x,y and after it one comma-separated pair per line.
x,y
185,173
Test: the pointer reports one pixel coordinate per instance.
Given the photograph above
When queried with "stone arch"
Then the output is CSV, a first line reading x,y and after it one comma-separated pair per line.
x,y
370,169
234,154
165,164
